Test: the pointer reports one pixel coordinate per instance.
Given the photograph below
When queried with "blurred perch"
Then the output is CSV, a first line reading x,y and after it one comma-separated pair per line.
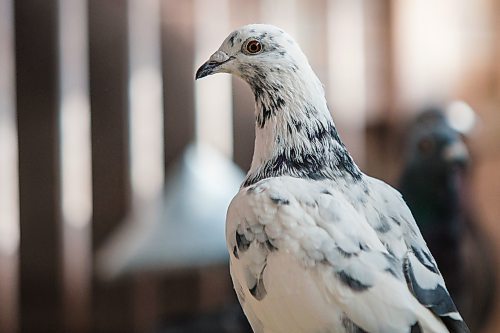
x,y
181,230
184,228
434,183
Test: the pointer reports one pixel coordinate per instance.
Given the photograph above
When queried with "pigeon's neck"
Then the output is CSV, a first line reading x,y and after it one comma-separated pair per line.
x,y
295,133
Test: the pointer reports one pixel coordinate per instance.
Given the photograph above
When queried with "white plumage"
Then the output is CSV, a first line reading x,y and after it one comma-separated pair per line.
x,y
316,245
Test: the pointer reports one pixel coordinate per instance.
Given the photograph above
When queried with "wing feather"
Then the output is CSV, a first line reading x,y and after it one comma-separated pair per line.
x,y
419,267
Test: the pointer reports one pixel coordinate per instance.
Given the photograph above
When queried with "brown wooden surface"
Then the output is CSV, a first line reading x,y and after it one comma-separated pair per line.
x,y
109,111
108,69
39,177
177,49
8,260
8,293
177,294
379,57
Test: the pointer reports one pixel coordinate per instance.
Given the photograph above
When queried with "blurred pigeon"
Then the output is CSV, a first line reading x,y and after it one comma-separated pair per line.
x,y
433,184
316,245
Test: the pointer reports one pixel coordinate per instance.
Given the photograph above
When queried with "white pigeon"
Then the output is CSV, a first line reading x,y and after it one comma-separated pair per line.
x,y
315,244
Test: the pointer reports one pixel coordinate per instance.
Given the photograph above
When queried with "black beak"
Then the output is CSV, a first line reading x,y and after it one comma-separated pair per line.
x,y
210,66
206,69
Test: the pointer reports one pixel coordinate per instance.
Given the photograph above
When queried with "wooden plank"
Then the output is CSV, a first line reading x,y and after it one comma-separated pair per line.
x,y
495,5
177,58
108,75
109,110
9,195
382,135
379,58
177,48
75,165
9,293
39,176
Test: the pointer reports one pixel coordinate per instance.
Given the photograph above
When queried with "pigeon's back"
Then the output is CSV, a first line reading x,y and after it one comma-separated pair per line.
x,y
307,257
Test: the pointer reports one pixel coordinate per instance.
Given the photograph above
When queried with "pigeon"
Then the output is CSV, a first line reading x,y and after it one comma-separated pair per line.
x,y
315,244
433,183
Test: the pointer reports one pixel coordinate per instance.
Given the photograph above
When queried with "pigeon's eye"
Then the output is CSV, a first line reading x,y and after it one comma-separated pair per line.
x,y
426,146
253,46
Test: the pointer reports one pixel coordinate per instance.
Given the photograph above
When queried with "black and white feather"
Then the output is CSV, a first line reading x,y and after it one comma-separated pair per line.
x,y
316,245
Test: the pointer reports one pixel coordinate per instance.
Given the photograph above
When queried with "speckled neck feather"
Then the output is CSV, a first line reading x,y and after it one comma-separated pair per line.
x,y
295,134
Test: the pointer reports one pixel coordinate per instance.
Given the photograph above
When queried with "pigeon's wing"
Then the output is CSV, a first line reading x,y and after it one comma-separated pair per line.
x,y
344,267
405,241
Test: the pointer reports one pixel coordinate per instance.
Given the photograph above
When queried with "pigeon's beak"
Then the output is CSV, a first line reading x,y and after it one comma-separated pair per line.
x,y
206,69
457,152
213,65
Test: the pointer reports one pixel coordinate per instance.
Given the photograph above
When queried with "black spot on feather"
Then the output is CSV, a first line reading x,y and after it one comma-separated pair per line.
x,y
425,260
350,326
398,223
351,282
415,328
231,39
280,102
383,226
363,246
279,200
259,290
270,246
297,124
393,266
264,116
242,242
392,272
346,254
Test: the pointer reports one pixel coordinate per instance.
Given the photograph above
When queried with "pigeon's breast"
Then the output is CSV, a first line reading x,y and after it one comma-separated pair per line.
x,y
293,301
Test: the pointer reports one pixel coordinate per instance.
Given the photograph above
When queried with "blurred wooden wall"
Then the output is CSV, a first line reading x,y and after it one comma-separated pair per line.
x,y
36,59
37,269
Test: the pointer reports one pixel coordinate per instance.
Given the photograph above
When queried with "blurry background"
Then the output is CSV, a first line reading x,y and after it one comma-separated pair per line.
x,y
110,223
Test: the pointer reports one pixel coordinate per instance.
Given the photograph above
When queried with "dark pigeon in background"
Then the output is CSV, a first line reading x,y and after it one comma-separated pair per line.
x,y
434,185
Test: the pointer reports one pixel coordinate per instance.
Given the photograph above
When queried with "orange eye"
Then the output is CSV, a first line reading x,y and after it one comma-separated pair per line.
x,y
254,47
426,146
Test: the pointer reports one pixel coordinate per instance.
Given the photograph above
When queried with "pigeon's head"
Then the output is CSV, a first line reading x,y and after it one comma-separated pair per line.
x,y
255,51
434,146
